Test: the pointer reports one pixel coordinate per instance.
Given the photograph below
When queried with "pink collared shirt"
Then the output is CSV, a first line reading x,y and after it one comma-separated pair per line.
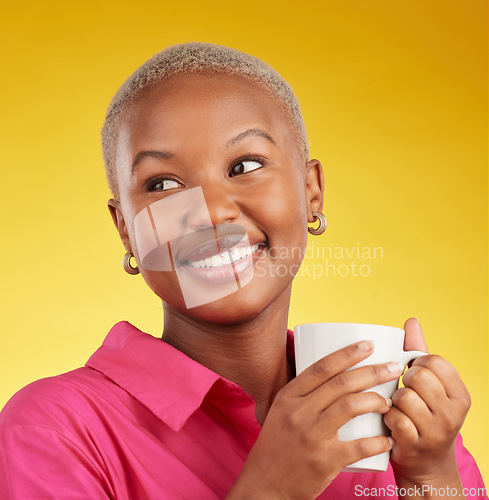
x,y
143,421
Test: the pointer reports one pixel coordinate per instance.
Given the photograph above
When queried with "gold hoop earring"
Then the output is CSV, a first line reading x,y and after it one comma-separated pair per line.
x,y
126,264
322,224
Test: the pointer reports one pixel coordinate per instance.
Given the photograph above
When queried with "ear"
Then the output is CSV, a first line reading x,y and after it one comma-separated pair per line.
x,y
116,213
314,188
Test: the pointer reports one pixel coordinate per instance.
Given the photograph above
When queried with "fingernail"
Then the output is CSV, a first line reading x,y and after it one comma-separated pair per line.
x,y
391,441
366,345
388,402
394,367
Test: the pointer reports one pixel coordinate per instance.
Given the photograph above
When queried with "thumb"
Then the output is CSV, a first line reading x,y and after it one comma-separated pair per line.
x,y
414,339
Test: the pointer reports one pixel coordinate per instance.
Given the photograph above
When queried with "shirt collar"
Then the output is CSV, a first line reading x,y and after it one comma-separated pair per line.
x,y
169,383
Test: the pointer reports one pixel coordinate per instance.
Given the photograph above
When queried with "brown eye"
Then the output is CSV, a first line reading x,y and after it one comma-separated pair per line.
x,y
165,185
244,167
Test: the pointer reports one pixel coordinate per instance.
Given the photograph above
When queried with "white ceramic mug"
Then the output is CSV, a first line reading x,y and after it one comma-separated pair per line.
x,y
313,341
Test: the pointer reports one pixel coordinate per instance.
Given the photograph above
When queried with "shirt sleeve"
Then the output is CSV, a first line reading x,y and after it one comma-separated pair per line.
x,y
469,473
40,463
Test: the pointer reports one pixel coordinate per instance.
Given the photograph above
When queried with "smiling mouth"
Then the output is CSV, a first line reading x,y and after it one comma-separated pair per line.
x,y
226,258
231,269
219,256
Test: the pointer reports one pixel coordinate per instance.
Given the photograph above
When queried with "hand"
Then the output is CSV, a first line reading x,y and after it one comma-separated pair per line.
x,y
298,452
426,416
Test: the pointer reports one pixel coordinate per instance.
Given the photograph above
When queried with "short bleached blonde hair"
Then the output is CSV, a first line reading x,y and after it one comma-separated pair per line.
x,y
192,57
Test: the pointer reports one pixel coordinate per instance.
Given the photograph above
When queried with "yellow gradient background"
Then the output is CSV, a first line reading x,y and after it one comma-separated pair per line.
x,y
394,95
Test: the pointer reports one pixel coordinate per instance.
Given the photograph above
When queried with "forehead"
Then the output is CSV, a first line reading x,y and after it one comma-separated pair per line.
x,y
203,106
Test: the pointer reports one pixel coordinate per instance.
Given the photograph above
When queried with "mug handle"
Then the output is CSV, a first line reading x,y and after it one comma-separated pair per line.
x,y
408,356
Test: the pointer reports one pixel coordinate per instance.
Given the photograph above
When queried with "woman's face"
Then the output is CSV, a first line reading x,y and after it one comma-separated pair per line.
x,y
228,137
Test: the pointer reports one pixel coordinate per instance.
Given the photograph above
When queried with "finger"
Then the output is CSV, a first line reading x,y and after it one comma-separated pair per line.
x,y
329,366
401,426
349,382
367,447
427,385
447,375
350,406
409,403
414,338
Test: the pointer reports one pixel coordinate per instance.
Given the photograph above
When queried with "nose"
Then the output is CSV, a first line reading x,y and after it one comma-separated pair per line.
x,y
221,207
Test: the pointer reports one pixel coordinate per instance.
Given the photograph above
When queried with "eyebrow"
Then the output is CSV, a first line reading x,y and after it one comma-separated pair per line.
x,y
165,155
252,131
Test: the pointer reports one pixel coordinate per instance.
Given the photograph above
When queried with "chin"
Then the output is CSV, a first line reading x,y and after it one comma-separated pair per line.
x,y
231,306
240,307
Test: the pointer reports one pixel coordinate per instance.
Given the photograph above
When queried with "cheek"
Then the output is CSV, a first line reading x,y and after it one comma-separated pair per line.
x,y
282,215
287,205
130,211
166,286
129,223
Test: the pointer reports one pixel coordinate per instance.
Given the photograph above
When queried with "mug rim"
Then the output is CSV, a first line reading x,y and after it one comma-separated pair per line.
x,y
349,324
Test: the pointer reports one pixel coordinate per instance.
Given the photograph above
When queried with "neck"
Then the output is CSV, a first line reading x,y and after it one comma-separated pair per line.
x,y
251,353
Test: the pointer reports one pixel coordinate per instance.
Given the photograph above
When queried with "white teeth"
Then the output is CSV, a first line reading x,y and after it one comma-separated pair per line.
x,y
224,258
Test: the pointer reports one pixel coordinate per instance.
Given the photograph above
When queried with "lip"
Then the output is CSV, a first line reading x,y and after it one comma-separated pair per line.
x,y
209,248
227,273
204,244
217,255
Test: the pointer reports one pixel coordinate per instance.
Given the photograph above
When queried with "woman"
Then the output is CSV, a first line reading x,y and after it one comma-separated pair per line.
x,y
207,158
